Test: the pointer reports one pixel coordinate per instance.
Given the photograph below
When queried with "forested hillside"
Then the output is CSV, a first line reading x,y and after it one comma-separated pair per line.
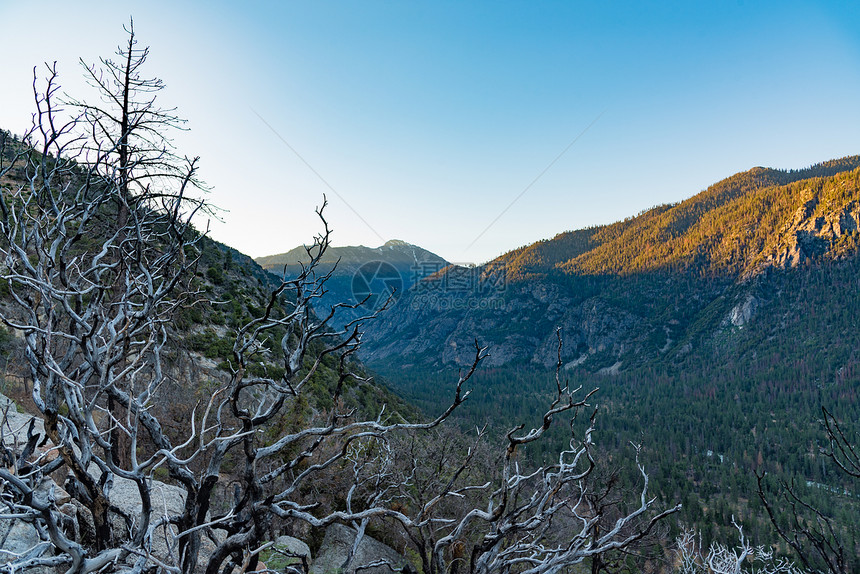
x,y
749,400
646,288
716,330
731,224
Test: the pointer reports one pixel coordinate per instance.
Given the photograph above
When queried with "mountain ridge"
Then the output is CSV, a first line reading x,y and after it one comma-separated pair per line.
x,y
393,250
664,222
617,289
361,278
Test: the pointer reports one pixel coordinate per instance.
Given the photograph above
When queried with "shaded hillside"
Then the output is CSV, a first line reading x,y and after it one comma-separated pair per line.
x,y
716,330
654,286
362,276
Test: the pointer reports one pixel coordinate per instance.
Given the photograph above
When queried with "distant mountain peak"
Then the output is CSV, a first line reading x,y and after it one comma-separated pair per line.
x,y
395,251
397,243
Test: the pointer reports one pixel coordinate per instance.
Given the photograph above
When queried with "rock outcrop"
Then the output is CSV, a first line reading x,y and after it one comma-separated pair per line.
x,y
287,551
338,542
743,312
19,537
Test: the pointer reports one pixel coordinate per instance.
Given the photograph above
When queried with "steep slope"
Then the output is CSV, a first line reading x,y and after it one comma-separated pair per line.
x,y
715,329
227,290
240,290
649,287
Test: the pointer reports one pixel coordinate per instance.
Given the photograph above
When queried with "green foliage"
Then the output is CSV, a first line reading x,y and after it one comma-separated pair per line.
x,y
746,400
278,559
216,275
263,370
189,316
7,342
210,345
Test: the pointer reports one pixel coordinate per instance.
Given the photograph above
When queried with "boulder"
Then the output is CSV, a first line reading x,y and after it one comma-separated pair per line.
x,y
741,313
335,548
167,500
287,551
15,424
16,539
18,536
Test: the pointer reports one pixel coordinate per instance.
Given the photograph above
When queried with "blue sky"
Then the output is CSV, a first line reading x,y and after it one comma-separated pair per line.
x,y
428,119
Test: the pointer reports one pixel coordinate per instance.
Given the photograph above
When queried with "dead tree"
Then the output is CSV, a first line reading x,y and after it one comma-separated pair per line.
x,y
815,537
92,296
99,254
542,519
743,558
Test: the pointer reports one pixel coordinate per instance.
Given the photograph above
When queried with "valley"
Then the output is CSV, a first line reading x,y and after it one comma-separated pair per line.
x,y
710,337
716,330
655,370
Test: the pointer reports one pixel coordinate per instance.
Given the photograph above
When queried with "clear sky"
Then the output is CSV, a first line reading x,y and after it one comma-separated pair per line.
x,y
425,121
